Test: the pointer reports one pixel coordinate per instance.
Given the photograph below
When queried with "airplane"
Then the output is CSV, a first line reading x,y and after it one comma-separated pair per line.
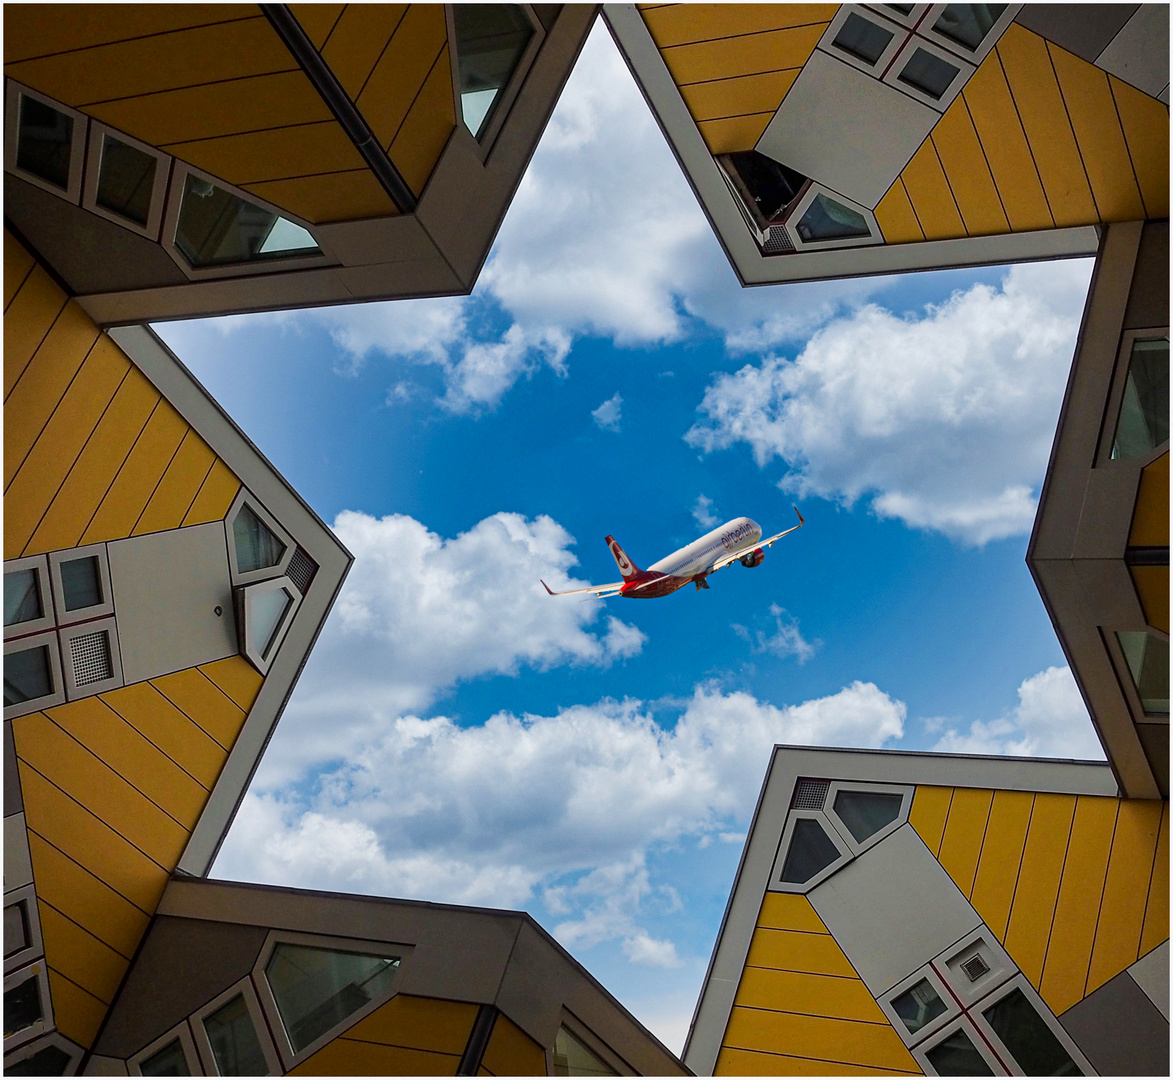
x,y
738,540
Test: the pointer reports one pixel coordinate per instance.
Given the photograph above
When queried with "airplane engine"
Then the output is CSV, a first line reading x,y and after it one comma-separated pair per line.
x,y
754,558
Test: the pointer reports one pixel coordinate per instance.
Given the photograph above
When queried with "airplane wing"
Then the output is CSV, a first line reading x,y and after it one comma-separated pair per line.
x,y
601,591
720,564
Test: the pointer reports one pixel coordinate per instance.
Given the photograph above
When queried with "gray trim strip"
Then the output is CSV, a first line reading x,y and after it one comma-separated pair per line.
x,y
478,1041
330,90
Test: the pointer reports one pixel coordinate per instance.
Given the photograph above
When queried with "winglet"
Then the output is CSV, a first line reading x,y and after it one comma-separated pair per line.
x,y
800,521
547,587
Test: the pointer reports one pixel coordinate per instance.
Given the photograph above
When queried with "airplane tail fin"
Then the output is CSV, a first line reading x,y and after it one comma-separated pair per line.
x,y
626,567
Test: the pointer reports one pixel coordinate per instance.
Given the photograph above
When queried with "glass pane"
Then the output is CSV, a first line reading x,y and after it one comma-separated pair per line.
x,y
766,186
318,988
22,597
126,180
234,1040
256,546
490,40
22,1006
16,930
1148,661
81,583
929,74
45,142
901,9
968,24
573,1058
862,38
826,219
27,675
1027,1036
811,850
1144,412
170,1061
217,228
266,613
48,1061
918,1005
865,813
957,1056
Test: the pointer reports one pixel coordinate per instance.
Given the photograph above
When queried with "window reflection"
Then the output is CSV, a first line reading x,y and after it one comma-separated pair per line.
x,y
490,42
234,1042
811,851
1144,412
44,142
1148,663
826,219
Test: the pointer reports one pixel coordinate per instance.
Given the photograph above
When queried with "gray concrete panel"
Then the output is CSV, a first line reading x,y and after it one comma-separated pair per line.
x,y
167,587
1148,301
846,129
1083,29
1151,974
893,909
1139,53
1120,1030
13,803
18,864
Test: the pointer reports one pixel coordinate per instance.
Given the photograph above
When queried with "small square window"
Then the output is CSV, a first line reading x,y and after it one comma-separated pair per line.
x,y
81,583
126,180
968,24
28,602
28,675
929,74
44,145
862,38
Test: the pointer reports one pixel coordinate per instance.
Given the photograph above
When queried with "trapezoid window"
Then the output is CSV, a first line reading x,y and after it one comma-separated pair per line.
x,y
1027,1036
257,547
572,1057
315,988
956,1055
766,187
1143,424
865,813
968,24
918,1006
811,851
491,39
828,219
126,180
44,145
1148,664
233,1038
264,612
47,1061
170,1061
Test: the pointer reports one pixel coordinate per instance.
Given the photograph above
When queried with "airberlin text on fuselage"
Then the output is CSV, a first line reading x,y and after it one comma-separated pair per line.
x,y
740,533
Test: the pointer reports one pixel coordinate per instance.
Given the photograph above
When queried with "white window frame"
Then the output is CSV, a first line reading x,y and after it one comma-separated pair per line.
x,y
66,635
89,199
243,598
265,572
591,1041
910,20
27,895
39,972
964,67
57,697
1019,982
182,1033
77,148
48,619
899,36
959,1023
54,1038
951,1013
982,941
95,611
1124,674
845,852
802,204
988,42
268,1000
264,1037
904,791
1116,400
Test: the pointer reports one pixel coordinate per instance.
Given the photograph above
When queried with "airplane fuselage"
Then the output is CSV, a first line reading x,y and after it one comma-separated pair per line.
x,y
693,561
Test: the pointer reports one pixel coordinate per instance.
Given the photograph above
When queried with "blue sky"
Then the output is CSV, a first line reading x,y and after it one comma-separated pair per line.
x,y
457,734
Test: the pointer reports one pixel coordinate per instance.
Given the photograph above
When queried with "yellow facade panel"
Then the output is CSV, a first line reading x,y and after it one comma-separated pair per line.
x,y
511,1052
965,830
930,809
790,911
1156,915
1073,933
357,41
349,1057
181,739
734,1062
418,1023
80,956
317,20
1039,877
85,899
773,50
237,678
967,173
1099,136
930,194
735,133
818,995
1035,90
18,264
683,24
215,496
997,873
1152,586
402,69
205,54
27,320
139,762
896,218
138,477
1126,889
202,701
177,490
88,780
427,127
738,97
60,443
77,1014
216,109
1146,130
789,950
90,842
94,471
1150,518
345,196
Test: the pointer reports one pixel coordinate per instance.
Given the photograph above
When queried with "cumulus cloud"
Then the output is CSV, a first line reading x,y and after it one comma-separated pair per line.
x,y
944,421
702,512
786,640
1050,720
608,415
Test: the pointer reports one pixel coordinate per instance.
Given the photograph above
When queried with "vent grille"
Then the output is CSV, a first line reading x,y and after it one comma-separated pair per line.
x,y
301,570
777,242
975,967
810,794
90,656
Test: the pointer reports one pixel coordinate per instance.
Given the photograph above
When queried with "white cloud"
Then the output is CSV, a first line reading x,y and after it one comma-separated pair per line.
x,y
702,513
943,421
643,949
609,415
787,639
1050,720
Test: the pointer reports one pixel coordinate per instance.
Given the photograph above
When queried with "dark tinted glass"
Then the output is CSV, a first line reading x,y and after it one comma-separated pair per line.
x,y
170,1061
81,583
902,9
862,38
826,219
27,675
48,1061
234,1040
957,1056
929,74
1144,412
125,180
16,928
866,812
767,186
1027,1036
22,1006
918,1005
45,141
811,850
22,597
490,41
1148,662
968,24
256,546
